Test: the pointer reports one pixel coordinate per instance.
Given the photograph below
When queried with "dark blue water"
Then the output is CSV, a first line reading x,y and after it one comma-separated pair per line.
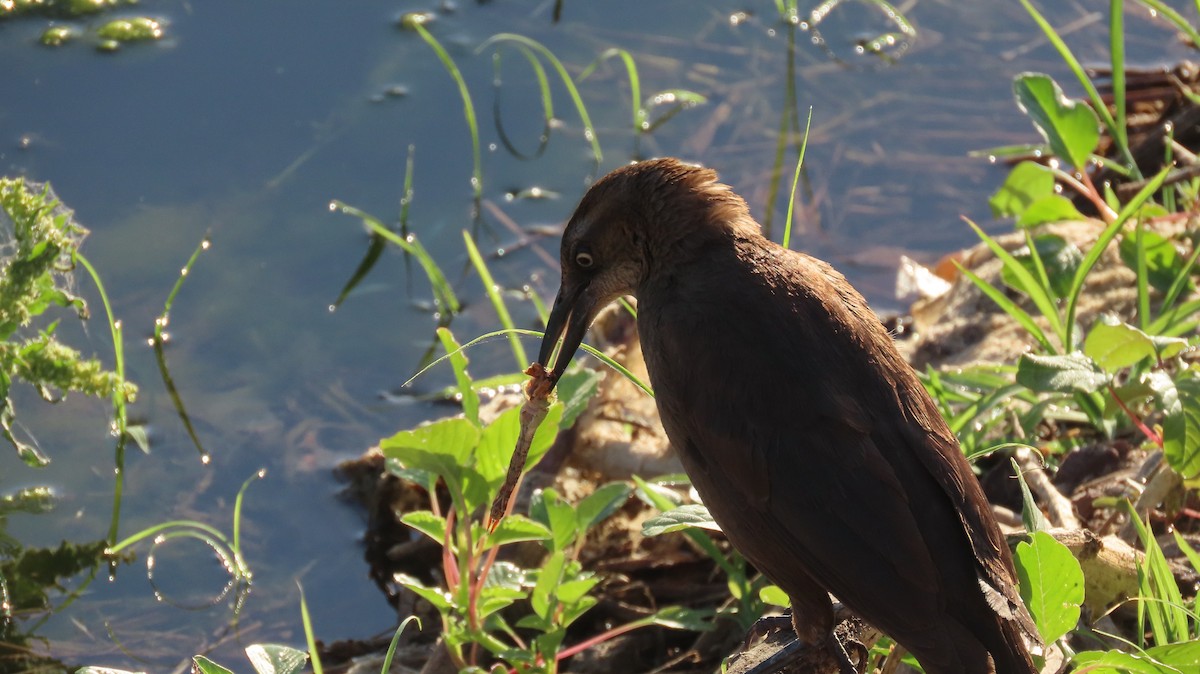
x,y
251,117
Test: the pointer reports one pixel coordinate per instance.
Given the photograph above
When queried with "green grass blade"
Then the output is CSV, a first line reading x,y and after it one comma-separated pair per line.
x,y
1116,50
1157,587
588,129
310,637
600,355
1038,292
787,225
1181,24
391,651
183,274
1111,231
788,115
1039,266
539,73
159,339
493,293
406,196
635,88
150,532
1181,281
1168,321
412,22
1142,274
243,571
442,291
120,417
1017,313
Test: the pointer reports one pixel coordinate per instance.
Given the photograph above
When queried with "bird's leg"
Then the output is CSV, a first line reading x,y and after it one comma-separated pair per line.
x,y
813,620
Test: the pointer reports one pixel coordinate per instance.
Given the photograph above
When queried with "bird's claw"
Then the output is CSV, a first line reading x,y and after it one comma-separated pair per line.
x,y
844,663
765,626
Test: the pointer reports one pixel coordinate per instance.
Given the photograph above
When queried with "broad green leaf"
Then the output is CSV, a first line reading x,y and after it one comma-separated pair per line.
x,y
1027,183
276,659
551,510
575,389
427,523
489,603
1163,263
424,478
1059,258
549,576
201,663
499,440
505,575
440,599
476,491
1070,127
441,447
1168,347
516,528
1115,345
1181,430
1070,373
601,503
1031,514
683,517
572,611
1053,208
1051,584
680,618
572,591
656,495
1184,656
774,595
1118,662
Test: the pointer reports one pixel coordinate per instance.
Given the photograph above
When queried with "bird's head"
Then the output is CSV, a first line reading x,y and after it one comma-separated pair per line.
x,y
629,223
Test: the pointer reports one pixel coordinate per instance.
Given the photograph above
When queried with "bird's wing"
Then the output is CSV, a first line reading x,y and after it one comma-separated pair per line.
x,y
953,474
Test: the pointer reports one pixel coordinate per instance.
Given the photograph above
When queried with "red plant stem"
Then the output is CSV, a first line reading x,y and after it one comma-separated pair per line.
x,y
1146,430
601,638
449,563
1106,212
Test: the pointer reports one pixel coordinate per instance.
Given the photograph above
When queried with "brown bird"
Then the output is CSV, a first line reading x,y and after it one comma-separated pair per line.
x,y
809,438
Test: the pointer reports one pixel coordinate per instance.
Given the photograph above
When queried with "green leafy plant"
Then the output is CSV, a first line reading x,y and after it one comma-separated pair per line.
x,y
467,460
1118,375
39,246
749,594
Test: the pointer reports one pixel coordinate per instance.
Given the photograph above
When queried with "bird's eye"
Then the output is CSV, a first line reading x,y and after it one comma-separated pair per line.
x,y
584,259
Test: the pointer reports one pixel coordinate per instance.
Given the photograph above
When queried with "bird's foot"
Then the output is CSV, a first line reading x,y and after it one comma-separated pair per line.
x,y
765,626
798,655
843,658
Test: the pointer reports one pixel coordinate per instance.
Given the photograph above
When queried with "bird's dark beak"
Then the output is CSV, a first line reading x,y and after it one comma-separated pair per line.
x,y
572,313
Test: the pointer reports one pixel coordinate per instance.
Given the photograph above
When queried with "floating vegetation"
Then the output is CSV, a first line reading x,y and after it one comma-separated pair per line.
x,y
119,31
11,9
56,36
